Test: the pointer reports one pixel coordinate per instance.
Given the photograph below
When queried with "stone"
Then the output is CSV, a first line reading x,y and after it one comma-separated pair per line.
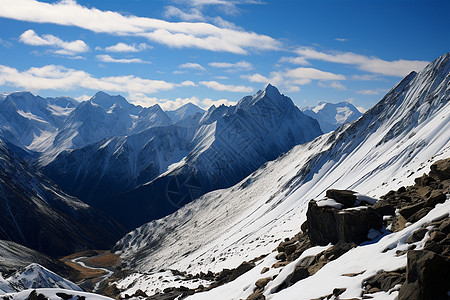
x,y
261,283
329,225
441,169
427,276
384,281
264,270
416,236
408,211
338,291
281,256
419,215
424,180
435,198
384,208
345,197
35,296
241,269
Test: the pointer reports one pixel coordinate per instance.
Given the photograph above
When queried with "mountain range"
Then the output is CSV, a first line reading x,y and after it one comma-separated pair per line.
x,y
400,136
332,115
225,195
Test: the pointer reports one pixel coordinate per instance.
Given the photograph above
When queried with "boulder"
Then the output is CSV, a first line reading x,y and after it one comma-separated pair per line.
x,y
441,169
345,197
427,276
384,281
243,268
330,225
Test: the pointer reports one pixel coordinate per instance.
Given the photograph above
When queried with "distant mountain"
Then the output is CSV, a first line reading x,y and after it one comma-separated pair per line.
x,y
227,145
391,144
184,111
103,116
37,214
115,165
332,115
27,119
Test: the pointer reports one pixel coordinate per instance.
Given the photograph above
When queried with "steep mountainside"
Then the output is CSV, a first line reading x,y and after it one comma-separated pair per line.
x,y
28,119
332,115
15,256
227,145
118,164
35,213
402,135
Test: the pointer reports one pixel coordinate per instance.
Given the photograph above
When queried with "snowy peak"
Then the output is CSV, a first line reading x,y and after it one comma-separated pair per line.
x,y
107,101
184,111
270,95
332,115
35,276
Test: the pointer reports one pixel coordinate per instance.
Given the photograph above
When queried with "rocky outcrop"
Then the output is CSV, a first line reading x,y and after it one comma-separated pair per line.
x,y
427,276
327,224
416,201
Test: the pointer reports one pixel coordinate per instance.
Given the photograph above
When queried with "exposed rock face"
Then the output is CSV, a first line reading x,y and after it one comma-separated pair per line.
x,y
416,201
427,276
331,225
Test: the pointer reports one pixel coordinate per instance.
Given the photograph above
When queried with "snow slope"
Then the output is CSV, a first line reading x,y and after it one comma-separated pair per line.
x,y
35,276
400,136
332,115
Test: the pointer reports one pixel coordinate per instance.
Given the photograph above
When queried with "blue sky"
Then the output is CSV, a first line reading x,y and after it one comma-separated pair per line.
x,y
217,51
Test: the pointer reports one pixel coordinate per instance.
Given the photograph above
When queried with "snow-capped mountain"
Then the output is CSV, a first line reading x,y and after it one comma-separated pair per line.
x,y
227,145
27,119
115,165
184,111
400,136
35,276
101,117
37,214
332,115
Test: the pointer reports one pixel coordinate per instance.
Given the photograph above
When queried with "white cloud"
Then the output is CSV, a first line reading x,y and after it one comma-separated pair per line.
x,y
372,92
226,87
54,77
296,60
311,73
370,64
172,34
188,83
193,14
194,66
166,104
6,44
30,37
333,84
122,47
257,78
340,39
365,77
240,65
107,58
290,79
207,102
